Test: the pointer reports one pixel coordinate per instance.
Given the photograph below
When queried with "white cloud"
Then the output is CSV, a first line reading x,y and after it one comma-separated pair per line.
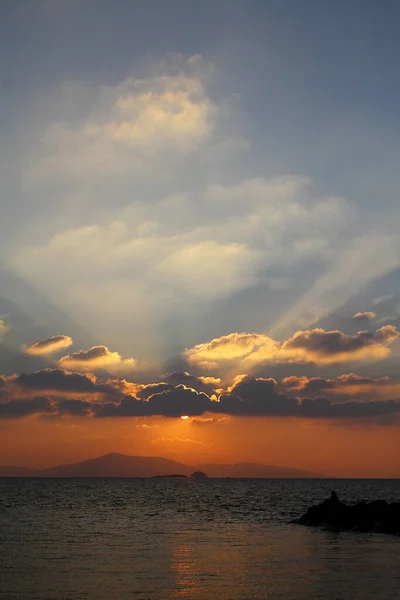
x,y
237,352
97,357
150,217
182,253
129,126
49,346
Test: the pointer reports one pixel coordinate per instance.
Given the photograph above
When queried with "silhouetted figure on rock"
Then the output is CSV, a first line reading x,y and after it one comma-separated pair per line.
x,y
378,516
334,497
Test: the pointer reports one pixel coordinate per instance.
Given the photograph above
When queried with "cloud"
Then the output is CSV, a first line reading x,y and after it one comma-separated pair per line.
x,y
321,408
74,407
71,394
364,316
167,440
202,267
314,346
169,403
3,328
344,386
142,119
322,346
148,207
205,421
145,391
56,380
387,319
360,260
60,382
53,344
261,397
97,357
382,299
13,409
208,385
153,202
233,347
257,397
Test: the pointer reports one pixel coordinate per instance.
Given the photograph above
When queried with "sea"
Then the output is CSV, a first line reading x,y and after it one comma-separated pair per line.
x,y
228,539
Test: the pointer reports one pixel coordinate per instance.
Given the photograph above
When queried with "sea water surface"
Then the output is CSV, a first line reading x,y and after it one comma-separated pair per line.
x,y
118,539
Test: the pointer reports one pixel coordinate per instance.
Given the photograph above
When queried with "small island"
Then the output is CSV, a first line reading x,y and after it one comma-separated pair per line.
x,y
198,476
171,476
377,516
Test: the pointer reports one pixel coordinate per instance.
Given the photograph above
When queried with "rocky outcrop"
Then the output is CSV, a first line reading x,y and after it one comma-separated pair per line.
x,y
377,516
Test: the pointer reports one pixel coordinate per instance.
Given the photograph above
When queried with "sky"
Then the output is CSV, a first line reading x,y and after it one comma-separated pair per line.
x,y
200,217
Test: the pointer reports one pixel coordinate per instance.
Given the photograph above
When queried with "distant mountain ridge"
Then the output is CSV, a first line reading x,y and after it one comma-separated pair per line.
x,y
123,465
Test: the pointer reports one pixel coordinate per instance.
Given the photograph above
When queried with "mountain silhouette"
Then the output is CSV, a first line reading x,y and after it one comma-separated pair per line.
x,y
123,465
13,471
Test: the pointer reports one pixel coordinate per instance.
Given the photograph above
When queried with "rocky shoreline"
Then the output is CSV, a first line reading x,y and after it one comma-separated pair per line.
x,y
377,516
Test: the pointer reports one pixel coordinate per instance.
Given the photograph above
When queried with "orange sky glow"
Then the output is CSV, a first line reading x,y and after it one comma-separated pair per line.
x,y
346,450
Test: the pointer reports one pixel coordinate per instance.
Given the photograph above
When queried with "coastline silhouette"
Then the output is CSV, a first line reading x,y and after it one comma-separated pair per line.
x,y
376,516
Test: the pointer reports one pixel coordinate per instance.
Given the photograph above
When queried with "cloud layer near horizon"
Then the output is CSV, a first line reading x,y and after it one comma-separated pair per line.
x,y
61,393
73,389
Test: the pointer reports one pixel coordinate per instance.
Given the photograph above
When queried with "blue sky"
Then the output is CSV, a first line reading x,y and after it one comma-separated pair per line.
x,y
269,205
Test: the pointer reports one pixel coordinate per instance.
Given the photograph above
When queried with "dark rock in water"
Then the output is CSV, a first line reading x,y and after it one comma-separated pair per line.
x,y
198,475
377,516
